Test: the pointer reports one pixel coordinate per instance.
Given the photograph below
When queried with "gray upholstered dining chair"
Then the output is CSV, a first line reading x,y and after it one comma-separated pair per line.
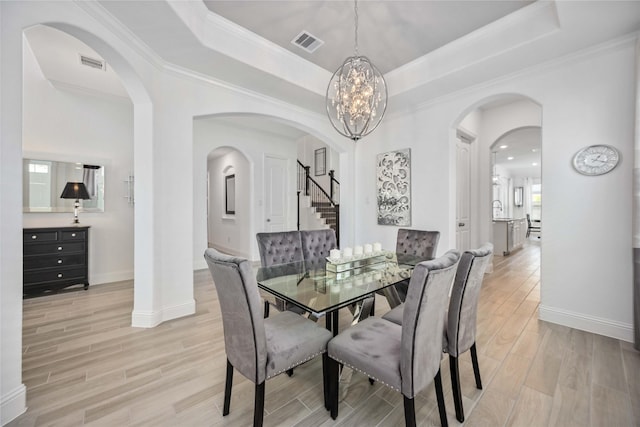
x,y
316,245
459,333
418,243
404,357
259,348
281,247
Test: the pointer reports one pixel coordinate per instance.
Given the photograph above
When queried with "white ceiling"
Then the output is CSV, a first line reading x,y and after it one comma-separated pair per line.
x,y
430,48
519,152
58,55
390,33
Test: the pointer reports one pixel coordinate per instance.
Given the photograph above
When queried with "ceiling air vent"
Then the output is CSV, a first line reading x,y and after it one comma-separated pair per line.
x,y
306,41
93,63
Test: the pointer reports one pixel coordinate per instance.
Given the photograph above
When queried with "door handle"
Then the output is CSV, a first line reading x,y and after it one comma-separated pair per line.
x,y
461,224
268,219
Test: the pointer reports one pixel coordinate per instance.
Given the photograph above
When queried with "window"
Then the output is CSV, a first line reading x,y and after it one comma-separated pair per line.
x,y
536,201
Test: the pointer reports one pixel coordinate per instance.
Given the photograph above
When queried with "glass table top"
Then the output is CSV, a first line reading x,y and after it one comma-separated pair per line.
x,y
340,283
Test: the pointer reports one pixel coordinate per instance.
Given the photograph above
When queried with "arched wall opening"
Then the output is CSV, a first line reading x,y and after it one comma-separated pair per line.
x,y
15,22
229,179
517,175
142,169
254,138
488,120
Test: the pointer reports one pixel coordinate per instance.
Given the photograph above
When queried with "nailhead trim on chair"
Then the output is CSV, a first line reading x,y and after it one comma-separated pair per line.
x,y
293,366
364,373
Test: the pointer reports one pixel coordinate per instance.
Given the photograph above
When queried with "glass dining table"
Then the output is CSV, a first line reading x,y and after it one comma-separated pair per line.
x,y
323,291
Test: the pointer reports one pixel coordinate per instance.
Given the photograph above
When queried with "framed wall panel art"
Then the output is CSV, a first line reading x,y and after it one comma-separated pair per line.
x,y
320,161
393,170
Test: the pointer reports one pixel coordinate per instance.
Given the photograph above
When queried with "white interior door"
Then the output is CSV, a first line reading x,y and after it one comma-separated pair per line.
x,y
463,204
276,190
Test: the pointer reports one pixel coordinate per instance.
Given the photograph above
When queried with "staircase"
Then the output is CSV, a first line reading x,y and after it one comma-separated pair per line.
x,y
316,208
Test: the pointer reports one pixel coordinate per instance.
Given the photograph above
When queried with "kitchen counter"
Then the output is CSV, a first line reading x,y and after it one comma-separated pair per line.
x,y
508,234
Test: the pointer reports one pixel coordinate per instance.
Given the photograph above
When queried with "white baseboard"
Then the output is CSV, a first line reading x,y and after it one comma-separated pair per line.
x,y
145,319
13,404
180,310
597,325
150,319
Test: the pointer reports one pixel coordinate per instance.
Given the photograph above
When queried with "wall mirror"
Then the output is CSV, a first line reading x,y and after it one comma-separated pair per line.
x,y
230,194
44,180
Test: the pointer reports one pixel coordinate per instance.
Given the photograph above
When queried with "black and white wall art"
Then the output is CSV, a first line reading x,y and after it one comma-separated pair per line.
x,y
394,187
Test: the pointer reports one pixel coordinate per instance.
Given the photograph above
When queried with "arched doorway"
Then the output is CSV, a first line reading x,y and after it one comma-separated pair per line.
x,y
256,138
229,174
487,121
142,124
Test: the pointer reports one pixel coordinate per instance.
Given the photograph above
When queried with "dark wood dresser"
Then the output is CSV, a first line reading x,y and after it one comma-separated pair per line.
x,y
54,258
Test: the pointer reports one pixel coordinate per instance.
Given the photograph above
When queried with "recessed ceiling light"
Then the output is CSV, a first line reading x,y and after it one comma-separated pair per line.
x,y
503,146
534,150
534,164
510,158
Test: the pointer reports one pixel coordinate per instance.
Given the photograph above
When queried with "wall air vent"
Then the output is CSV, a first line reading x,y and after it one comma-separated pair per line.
x,y
306,41
93,63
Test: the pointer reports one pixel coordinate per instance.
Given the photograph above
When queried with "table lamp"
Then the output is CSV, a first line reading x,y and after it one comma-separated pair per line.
x,y
77,191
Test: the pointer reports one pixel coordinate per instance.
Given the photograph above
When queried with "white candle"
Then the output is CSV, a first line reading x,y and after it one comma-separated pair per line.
x,y
334,254
368,248
357,251
377,247
347,252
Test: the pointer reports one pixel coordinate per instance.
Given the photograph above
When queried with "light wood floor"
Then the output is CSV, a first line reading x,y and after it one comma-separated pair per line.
x,y
84,365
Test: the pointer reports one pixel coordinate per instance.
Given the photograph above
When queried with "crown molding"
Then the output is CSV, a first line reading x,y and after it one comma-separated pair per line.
x,y
532,71
211,81
522,27
227,38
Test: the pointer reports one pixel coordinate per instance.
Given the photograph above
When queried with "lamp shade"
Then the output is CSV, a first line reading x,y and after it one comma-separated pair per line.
x,y
75,190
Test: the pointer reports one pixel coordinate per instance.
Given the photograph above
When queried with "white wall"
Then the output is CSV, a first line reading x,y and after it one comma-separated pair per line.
x,y
74,126
585,100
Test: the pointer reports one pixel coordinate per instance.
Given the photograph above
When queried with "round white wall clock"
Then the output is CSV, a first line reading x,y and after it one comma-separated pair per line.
x,y
596,160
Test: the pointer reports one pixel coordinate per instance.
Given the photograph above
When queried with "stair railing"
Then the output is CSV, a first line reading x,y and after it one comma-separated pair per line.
x,y
334,187
323,202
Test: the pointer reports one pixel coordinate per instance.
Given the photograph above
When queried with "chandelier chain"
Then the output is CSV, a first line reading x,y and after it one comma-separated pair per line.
x,y
355,8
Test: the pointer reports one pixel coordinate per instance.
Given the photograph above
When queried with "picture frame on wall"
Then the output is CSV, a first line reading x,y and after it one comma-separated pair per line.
x,y
230,194
393,181
320,162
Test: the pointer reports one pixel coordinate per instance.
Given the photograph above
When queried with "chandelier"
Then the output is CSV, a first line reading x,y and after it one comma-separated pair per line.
x,y
357,94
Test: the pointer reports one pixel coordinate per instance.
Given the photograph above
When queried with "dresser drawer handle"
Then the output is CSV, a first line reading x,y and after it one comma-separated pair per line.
x,y
59,248
59,261
59,275
73,234
34,237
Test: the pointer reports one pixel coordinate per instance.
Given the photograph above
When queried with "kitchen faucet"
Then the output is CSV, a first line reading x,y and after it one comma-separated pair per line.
x,y
496,205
